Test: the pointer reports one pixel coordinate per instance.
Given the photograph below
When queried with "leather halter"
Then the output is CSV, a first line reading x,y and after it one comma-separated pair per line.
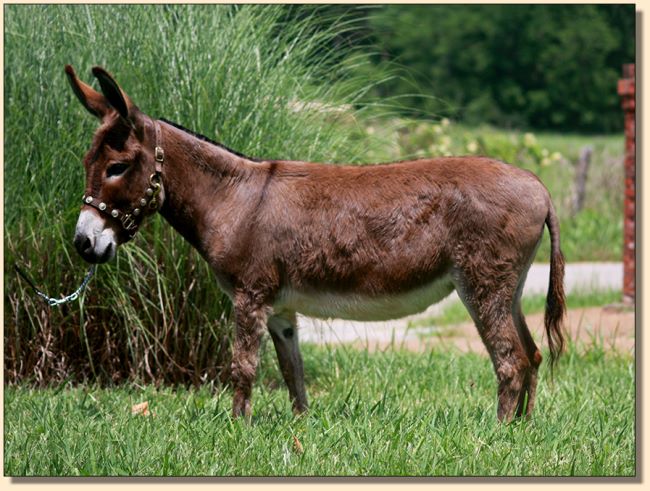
x,y
132,219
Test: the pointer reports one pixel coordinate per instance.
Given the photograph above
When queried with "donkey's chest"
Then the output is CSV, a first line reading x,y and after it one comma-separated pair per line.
x,y
360,307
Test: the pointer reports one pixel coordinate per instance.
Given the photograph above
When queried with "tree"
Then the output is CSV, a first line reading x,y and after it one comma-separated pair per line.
x,y
542,66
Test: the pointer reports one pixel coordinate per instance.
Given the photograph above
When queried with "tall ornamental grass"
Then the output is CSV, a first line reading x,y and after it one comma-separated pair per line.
x,y
239,74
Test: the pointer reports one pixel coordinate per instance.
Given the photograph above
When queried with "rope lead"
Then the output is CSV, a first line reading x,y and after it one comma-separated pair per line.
x,y
57,301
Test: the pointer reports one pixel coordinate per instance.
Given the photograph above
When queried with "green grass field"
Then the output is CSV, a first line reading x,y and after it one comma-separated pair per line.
x,y
381,414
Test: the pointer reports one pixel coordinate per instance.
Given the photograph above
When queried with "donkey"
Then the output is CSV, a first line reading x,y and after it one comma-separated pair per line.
x,y
356,242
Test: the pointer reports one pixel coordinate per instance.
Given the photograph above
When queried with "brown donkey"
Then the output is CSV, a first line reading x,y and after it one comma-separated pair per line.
x,y
356,242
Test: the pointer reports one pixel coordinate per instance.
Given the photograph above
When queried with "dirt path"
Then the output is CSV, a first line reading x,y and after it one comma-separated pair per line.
x,y
614,327
609,327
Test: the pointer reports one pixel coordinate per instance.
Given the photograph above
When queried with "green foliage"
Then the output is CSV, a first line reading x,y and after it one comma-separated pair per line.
x,y
372,414
233,73
539,66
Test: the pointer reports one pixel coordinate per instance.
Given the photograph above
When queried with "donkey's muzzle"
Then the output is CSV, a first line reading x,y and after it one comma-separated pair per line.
x,y
93,240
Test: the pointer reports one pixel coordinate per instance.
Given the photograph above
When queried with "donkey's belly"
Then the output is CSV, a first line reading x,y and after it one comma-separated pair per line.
x,y
361,307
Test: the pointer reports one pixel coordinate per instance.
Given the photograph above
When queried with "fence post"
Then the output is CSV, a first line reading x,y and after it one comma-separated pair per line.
x,y
581,179
626,90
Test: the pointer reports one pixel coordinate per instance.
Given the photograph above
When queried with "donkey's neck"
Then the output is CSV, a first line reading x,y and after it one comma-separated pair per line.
x,y
200,179
207,156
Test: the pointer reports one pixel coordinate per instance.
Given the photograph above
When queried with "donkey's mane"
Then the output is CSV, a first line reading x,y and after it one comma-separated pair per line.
x,y
206,139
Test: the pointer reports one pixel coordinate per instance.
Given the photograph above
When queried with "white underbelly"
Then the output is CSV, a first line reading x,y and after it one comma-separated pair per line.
x,y
363,308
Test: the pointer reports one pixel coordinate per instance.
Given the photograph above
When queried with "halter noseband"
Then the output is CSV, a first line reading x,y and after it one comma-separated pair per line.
x,y
131,220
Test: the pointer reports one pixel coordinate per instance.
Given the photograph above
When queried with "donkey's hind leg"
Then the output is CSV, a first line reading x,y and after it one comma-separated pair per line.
x,y
285,339
490,305
534,356
511,364
533,353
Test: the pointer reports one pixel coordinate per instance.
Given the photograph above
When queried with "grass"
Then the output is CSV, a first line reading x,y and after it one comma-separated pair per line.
x,y
373,414
456,313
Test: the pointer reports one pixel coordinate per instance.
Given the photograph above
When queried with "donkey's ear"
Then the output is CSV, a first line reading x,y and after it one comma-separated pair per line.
x,y
92,100
112,92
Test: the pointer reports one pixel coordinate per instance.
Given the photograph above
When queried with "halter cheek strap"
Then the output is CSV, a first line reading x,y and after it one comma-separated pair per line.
x,y
132,219
159,153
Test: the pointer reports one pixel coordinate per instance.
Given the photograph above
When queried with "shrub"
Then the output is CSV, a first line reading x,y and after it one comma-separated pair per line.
x,y
229,72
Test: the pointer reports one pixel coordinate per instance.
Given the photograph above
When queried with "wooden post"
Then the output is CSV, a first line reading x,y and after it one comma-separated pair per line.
x,y
581,179
626,90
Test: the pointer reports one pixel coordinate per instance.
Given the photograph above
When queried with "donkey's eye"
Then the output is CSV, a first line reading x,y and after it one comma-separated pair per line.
x,y
116,169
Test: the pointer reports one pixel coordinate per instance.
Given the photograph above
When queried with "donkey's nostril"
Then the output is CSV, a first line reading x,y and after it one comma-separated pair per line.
x,y
83,244
87,245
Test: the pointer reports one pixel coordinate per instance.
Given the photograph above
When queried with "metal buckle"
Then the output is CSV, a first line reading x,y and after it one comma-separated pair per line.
x,y
159,154
154,180
128,222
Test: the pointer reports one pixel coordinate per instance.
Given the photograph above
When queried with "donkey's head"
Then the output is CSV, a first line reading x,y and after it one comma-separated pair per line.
x,y
122,169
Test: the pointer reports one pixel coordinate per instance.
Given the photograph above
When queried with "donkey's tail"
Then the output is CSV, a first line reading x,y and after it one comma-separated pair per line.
x,y
555,299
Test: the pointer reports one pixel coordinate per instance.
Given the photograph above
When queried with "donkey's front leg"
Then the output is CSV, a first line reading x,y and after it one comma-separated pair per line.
x,y
250,317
